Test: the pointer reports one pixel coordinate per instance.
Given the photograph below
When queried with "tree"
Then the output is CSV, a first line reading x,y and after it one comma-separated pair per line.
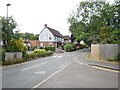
x,y
7,29
95,22
29,36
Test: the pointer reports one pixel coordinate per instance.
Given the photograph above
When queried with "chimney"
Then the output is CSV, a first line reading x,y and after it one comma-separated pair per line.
x,y
45,25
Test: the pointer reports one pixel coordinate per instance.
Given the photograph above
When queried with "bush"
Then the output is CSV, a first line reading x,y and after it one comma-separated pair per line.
x,y
32,48
82,46
14,61
32,55
69,47
15,45
41,47
50,48
2,54
25,56
39,50
40,53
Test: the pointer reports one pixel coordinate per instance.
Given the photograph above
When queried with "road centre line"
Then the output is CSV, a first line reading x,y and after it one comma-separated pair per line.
x,y
33,66
51,75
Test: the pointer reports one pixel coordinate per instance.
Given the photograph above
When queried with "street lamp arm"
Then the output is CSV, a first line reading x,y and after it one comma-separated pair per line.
x,y
8,4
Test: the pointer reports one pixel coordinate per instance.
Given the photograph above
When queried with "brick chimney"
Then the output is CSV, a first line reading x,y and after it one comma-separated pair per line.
x,y
45,25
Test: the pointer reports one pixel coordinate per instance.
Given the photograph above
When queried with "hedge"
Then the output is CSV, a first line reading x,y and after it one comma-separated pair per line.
x,y
50,48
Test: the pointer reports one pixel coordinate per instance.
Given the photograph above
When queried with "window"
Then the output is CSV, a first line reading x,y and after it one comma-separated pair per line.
x,y
49,38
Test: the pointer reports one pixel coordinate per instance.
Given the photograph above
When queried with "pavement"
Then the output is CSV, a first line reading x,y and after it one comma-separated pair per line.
x,y
82,58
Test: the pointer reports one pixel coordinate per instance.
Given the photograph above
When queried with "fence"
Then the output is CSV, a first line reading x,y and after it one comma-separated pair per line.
x,y
105,51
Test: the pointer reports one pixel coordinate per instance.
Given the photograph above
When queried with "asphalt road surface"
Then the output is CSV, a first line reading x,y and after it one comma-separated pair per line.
x,y
58,71
29,74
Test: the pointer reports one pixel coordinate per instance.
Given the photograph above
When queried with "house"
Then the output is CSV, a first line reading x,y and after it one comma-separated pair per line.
x,y
51,37
35,42
66,39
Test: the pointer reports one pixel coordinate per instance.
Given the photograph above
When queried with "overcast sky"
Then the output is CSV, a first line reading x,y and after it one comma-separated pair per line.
x,y
31,15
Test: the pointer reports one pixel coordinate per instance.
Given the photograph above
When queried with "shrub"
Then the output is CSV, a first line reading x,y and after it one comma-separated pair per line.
x,y
50,48
82,46
41,47
32,48
74,47
68,47
2,54
41,53
14,61
25,56
39,50
15,45
32,55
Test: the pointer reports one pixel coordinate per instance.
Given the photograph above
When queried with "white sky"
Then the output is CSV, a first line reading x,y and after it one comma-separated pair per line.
x,y
31,15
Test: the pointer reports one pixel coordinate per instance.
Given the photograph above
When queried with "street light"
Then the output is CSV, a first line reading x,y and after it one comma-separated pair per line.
x,y
7,8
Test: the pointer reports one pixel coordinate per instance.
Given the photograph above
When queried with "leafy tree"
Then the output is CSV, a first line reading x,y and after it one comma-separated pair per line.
x,y
95,22
7,29
29,36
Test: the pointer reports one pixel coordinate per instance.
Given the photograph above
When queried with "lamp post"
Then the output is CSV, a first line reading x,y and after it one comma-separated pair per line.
x,y
7,8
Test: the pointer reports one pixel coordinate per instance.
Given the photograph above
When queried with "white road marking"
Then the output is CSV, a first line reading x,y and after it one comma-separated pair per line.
x,y
27,62
55,56
105,69
59,56
33,66
52,75
41,72
60,66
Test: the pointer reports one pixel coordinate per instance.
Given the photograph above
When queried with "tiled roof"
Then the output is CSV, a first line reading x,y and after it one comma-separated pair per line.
x,y
55,32
66,37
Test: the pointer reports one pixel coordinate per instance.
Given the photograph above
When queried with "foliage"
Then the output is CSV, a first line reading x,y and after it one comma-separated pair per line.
x,y
14,61
15,45
41,47
50,48
39,50
25,56
96,22
69,47
8,24
29,36
40,53
2,54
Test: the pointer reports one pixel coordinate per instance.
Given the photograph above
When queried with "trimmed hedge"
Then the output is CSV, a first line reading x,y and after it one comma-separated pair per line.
x,y
50,48
39,50
41,53
36,54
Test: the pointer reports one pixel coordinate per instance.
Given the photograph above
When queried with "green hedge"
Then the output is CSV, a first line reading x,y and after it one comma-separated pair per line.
x,y
39,50
69,47
37,54
50,48
40,53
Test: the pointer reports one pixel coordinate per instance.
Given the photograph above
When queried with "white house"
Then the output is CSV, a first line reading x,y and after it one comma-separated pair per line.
x,y
49,36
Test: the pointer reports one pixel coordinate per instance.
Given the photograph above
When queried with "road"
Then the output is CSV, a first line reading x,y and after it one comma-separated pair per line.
x,y
58,71
29,74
